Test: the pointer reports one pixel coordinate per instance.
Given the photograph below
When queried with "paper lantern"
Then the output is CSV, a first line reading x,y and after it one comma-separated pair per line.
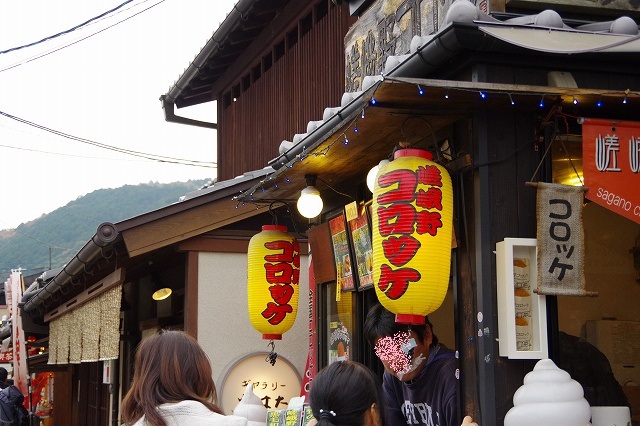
x,y
273,277
412,230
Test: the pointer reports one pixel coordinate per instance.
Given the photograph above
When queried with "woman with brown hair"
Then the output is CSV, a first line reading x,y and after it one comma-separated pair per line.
x,y
173,385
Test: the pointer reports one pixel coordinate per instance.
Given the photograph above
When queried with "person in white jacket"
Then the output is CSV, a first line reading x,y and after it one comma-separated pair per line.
x,y
173,386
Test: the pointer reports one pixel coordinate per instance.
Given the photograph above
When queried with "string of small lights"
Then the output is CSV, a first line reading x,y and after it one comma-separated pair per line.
x,y
515,97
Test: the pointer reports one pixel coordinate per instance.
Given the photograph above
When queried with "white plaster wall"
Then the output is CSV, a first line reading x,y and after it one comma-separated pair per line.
x,y
224,329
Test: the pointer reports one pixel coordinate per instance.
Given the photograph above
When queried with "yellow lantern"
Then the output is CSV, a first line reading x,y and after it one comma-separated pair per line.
x,y
412,229
273,278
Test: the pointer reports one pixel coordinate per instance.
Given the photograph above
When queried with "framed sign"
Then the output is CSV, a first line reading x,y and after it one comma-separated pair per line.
x,y
275,385
344,265
362,248
522,314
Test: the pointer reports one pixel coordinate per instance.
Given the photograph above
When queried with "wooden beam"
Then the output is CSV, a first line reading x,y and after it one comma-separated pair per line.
x,y
190,223
110,281
191,295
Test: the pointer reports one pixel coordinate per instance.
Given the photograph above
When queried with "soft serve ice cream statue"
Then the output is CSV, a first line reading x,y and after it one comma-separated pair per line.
x,y
251,408
549,397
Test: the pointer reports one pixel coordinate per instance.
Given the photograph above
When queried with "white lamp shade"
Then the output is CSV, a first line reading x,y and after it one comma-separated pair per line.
x,y
371,176
310,203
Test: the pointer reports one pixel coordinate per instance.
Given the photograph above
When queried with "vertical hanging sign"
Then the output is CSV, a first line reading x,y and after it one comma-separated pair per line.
x,y
19,350
560,240
611,165
310,369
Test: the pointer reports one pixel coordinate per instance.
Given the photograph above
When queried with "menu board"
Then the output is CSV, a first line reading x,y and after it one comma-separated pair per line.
x,y
522,296
344,268
363,250
302,416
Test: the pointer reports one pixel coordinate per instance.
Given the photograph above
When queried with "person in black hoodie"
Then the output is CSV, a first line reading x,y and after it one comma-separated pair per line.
x,y
4,382
420,378
12,412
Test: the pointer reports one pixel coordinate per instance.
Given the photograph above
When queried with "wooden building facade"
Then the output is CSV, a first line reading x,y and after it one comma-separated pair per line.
x,y
330,88
477,84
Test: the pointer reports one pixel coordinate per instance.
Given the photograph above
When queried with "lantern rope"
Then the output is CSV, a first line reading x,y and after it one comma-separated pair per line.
x,y
273,213
289,214
335,190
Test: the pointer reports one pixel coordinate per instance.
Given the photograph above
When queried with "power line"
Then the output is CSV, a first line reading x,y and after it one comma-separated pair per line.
x,y
47,53
154,157
66,155
34,238
14,129
65,32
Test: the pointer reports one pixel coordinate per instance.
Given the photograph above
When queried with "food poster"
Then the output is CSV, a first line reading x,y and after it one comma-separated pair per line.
x,y
339,342
344,271
361,236
292,417
307,416
522,294
275,417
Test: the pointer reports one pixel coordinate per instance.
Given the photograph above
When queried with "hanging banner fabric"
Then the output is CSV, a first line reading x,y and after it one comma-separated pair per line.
x,y
560,240
20,372
89,333
310,369
611,165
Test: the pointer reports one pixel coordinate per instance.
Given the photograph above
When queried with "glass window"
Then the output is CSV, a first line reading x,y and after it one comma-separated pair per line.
x,y
339,325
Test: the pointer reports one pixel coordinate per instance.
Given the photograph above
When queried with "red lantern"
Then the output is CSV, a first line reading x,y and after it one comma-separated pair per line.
x,y
412,230
273,278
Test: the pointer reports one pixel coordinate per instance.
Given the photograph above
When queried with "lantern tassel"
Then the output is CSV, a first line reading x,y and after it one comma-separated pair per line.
x,y
272,356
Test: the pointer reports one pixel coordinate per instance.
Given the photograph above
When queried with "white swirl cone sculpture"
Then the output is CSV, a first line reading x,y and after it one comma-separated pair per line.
x,y
251,408
549,397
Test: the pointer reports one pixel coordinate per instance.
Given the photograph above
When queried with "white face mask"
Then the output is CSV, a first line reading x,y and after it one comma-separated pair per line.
x,y
415,363
397,353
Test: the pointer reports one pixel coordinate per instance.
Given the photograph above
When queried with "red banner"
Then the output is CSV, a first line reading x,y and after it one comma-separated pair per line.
x,y
20,373
611,165
310,369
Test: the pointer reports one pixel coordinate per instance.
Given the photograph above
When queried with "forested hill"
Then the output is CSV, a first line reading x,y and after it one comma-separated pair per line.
x,y
53,239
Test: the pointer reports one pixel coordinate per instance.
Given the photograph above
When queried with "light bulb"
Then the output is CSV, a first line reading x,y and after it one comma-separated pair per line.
x,y
161,294
310,203
371,176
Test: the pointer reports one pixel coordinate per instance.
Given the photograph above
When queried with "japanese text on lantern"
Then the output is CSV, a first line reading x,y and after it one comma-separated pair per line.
x,y
282,269
403,211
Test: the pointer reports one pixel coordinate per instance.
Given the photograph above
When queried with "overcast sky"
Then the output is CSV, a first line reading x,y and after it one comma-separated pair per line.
x,y
105,89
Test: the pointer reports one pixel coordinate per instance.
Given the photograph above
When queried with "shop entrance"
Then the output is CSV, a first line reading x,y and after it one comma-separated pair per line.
x,y
92,402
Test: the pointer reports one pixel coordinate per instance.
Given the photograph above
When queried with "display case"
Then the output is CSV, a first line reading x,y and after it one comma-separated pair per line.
x,y
522,314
